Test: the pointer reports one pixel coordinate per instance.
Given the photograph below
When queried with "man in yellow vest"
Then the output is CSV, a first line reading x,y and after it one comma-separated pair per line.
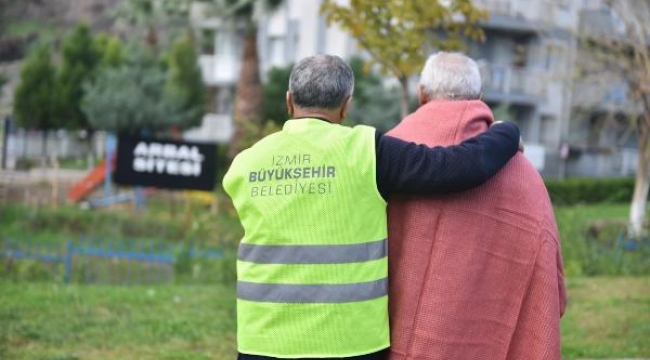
x,y
312,266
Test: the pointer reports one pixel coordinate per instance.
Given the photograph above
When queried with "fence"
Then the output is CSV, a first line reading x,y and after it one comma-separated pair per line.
x,y
61,144
108,261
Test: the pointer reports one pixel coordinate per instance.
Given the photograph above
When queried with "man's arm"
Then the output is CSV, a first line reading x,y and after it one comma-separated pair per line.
x,y
407,168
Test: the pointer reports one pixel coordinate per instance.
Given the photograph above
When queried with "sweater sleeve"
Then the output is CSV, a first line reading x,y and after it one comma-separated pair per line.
x,y
408,168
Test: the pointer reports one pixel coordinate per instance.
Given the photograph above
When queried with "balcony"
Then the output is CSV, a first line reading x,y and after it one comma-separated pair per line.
x,y
605,93
219,69
214,128
514,85
517,17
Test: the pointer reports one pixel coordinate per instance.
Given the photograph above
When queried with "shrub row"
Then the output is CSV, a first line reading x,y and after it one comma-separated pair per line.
x,y
590,190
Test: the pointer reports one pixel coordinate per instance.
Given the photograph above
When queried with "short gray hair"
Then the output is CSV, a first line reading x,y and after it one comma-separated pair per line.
x,y
321,82
451,76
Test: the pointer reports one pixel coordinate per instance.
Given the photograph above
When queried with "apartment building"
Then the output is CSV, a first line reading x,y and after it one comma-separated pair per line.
x,y
292,32
527,63
600,135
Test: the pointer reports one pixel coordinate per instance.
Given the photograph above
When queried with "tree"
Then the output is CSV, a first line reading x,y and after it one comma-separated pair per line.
x,y
79,60
185,81
274,108
3,81
110,50
82,55
33,99
373,103
247,112
626,56
135,97
399,34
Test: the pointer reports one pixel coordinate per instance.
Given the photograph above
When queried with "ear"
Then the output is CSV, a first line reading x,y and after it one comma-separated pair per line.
x,y
345,107
422,97
290,108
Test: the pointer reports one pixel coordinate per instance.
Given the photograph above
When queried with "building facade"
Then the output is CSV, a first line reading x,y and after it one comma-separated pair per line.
x,y
527,63
603,141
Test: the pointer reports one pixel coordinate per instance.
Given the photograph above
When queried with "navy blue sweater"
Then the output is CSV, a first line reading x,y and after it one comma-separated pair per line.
x,y
406,168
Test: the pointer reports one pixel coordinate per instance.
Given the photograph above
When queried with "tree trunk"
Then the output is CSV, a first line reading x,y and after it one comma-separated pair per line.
x,y
404,101
152,36
641,184
44,148
248,97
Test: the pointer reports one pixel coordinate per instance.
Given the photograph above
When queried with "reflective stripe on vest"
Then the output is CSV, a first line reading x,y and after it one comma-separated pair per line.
x,y
306,294
313,254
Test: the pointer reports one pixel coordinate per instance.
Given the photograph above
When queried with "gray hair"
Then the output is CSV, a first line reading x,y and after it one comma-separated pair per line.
x,y
451,76
321,82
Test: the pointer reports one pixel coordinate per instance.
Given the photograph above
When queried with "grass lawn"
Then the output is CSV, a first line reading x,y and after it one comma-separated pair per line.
x,y
585,256
55,322
606,318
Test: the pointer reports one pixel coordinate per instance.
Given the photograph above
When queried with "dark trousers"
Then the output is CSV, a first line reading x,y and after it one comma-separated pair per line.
x,y
382,355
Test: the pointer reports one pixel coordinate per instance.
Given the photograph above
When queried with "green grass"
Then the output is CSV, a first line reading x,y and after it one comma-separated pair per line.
x,y
607,318
46,321
175,219
77,163
27,27
587,255
170,220
47,224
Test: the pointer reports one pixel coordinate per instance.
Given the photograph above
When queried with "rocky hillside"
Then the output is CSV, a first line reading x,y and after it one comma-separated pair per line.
x,y
22,22
61,12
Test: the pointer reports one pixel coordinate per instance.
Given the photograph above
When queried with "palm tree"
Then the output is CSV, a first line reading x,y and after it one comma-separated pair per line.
x,y
247,113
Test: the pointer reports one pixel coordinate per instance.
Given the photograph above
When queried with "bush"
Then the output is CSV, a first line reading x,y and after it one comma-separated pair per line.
x,y
25,163
27,270
69,222
590,190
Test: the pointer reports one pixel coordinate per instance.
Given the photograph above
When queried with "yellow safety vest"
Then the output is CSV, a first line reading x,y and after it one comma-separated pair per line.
x,y
312,266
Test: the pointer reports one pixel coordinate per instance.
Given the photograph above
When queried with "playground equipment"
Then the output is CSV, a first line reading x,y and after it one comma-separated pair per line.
x,y
88,184
101,174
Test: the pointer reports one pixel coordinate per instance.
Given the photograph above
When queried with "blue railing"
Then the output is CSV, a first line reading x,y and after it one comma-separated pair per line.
x,y
139,260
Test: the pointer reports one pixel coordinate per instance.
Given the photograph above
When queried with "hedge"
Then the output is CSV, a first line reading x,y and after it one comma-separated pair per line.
x,y
590,190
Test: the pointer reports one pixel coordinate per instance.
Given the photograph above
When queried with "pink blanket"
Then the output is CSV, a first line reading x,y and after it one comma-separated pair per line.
x,y
478,274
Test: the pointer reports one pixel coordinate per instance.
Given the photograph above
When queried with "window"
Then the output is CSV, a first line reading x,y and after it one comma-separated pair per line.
x,y
520,55
207,41
553,57
277,51
547,129
224,100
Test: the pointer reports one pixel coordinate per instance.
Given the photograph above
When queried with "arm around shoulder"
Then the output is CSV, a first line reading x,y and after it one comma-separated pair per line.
x,y
405,167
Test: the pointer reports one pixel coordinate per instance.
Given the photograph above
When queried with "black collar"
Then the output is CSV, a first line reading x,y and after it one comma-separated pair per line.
x,y
313,117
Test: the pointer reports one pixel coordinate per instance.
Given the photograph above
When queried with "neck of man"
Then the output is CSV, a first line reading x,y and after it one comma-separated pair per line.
x,y
332,116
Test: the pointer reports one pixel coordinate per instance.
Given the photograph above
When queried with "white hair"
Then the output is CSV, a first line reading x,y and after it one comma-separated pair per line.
x,y
450,76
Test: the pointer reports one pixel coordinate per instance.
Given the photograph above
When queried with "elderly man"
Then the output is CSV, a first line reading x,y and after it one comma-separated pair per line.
x,y
474,275
312,268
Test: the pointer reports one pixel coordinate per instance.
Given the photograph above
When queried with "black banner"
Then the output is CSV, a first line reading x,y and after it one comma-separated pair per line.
x,y
165,164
